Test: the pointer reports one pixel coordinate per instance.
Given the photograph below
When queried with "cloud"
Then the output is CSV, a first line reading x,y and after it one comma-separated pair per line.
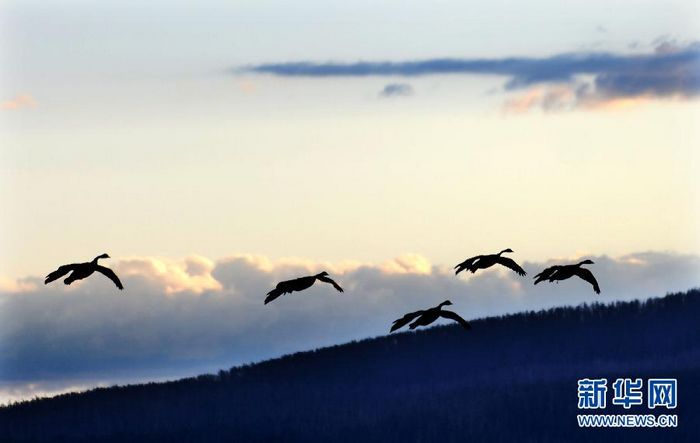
x,y
407,264
178,317
192,274
672,70
396,90
247,86
549,98
16,285
19,102
665,44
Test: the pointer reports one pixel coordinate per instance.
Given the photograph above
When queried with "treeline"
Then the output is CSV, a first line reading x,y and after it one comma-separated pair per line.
x,y
510,378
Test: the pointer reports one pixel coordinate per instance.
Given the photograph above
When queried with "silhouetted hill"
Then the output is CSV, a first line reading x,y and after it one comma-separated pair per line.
x,y
511,378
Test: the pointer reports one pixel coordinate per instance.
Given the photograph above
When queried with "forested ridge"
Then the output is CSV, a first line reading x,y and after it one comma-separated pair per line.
x,y
511,378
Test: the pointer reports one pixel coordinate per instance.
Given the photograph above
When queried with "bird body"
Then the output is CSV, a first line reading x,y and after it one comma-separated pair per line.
x,y
563,272
79,271
299,284
426,317
486,261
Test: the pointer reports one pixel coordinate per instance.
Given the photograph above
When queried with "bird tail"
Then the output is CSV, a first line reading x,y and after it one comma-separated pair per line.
x,y
49,278
55,275
273,295
401,322
539,277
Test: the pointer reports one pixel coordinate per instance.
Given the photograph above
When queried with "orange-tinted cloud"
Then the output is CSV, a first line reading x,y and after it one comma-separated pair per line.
x,y
19,102
548,98
17,285
247,86
565,97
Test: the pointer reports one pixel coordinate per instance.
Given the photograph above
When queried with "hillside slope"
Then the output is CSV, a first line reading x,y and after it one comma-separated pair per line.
x,y
511,378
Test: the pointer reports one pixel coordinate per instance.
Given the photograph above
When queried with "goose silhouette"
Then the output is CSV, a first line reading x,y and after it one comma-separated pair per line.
x,y
299,284
80,271
426,317
486,261
563,272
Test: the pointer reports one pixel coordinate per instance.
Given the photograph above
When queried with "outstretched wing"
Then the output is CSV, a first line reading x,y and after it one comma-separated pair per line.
x,y
406,319
587,275
330,280
110,275
60,272
467,264
546,274
454,316
511,264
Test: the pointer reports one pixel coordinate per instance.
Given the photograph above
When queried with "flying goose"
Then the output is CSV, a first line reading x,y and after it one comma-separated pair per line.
x,y
424,318
80,271
486,261
562,272
299,284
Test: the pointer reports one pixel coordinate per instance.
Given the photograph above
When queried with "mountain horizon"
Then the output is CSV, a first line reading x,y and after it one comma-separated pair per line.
x,y
444,382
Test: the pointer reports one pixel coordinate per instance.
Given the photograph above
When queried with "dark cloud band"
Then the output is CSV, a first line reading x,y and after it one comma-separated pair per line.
x,y
661,73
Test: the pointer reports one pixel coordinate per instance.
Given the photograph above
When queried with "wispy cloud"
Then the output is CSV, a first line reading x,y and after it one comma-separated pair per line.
x,y
549,98
396,90
672,70
19,102
180,315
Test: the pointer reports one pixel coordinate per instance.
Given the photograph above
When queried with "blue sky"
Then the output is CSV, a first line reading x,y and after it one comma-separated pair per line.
x,y
173,137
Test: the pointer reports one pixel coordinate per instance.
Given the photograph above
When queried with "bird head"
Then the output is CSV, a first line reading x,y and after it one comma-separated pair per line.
x,y
322,274
586,262
505,250
445,303
101,256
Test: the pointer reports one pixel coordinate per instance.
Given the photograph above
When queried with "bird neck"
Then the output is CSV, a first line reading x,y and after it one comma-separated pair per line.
x,y
94,260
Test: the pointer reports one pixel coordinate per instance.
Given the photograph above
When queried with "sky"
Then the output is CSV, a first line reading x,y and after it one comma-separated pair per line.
x,y
214,149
